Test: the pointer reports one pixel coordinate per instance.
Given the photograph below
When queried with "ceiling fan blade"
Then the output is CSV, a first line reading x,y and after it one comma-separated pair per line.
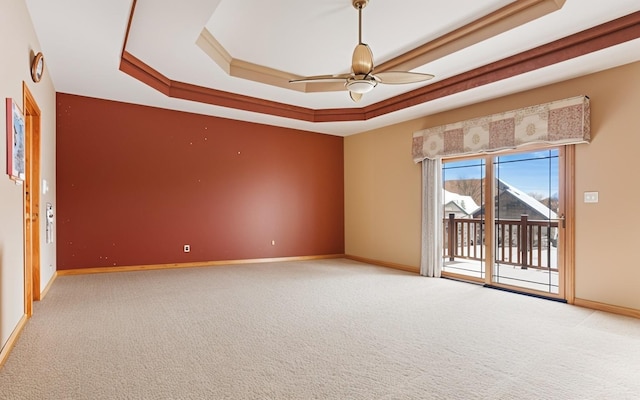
x,y
322,78
362,61
401,77
355,96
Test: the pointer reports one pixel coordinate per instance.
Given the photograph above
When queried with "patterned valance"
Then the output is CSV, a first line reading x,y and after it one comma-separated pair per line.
x,y
556,123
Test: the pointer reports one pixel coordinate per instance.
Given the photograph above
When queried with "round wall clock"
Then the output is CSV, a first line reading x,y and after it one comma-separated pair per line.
x,y
37,67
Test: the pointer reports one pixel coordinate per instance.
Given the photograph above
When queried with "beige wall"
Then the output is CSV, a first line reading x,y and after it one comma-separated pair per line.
x,y
382,195
382,185
18,43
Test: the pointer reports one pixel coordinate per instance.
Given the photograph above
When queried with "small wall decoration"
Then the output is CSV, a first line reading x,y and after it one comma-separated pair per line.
x,y
37,67
15,141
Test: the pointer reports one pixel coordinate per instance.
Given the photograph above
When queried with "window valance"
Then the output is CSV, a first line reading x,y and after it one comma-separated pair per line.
x,y
556,123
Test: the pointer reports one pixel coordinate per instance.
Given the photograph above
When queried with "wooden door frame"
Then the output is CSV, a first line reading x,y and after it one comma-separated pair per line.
x,y
566,283
568,174
31,200
566,260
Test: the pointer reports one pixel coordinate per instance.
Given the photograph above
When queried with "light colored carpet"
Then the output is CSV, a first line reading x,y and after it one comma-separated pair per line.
x,y
331,329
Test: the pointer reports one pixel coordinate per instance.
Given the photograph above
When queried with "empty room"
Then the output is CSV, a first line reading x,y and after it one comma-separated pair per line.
x,y
344,199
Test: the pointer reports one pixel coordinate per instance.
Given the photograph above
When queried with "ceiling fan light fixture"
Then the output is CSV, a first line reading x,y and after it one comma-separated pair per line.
x,y
362,79
361,85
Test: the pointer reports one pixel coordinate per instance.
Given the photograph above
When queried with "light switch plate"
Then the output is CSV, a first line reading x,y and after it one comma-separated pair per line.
x,y
590,197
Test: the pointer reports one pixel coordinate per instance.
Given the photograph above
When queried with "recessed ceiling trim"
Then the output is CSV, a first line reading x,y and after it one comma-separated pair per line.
x,y
262,74
187,91
512,15
255,72
137,69
597,38
508,17
242,69
214,49
609,34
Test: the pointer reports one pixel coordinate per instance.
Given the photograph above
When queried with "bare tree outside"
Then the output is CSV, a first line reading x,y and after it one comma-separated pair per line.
x,y
549,202
466,187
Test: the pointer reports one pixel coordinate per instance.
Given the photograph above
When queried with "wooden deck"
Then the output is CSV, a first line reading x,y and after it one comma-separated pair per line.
x,y
543,280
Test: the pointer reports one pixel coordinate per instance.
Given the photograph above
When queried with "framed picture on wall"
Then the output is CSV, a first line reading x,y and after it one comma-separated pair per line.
x,y
15,141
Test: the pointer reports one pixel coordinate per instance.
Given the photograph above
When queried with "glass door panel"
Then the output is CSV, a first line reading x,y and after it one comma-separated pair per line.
x,y
464,249
526,215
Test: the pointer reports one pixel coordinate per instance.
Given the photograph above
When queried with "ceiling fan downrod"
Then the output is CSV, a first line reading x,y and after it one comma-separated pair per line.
x,y
359,5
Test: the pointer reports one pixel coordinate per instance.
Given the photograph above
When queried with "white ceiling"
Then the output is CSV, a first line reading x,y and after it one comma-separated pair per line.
x,y
83,40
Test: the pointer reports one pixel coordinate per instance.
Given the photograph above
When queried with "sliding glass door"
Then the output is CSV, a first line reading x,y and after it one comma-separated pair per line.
x,y
504,220
527,218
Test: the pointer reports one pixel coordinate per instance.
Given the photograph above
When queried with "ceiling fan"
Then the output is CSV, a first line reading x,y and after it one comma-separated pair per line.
x,y
362,78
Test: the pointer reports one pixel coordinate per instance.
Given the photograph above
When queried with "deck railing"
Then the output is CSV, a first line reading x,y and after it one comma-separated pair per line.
x,y
524,242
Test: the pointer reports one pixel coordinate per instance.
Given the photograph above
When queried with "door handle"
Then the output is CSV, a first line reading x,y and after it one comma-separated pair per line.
x,y
563,219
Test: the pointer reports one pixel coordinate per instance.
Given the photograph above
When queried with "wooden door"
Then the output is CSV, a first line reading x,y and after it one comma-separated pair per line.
x,y
31,200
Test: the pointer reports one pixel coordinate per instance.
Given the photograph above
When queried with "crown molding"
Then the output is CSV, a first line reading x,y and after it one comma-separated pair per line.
x,y
510,16
597,38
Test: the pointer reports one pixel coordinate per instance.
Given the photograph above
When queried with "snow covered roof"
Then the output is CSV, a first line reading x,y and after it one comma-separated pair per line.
x,y
528,200
465,203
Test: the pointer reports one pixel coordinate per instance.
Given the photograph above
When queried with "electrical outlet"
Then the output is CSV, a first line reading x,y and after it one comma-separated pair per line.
x,y
187,248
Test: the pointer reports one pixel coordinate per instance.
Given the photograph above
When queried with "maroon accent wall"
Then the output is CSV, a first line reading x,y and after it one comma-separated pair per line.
x,y
136,183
